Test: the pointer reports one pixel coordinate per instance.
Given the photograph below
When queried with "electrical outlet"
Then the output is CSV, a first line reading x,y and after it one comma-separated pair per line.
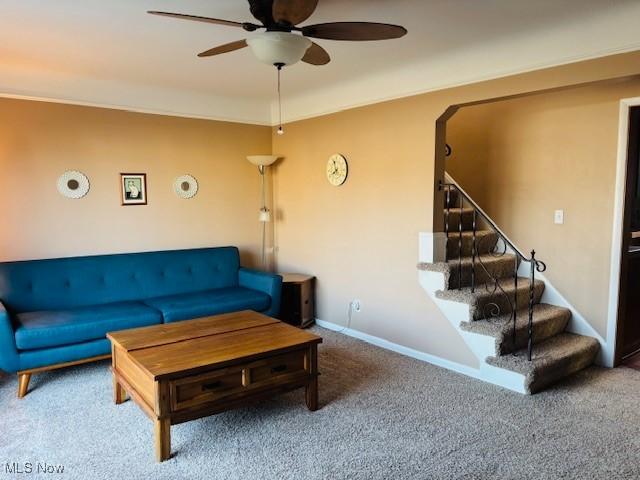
x,y
356,306
558,217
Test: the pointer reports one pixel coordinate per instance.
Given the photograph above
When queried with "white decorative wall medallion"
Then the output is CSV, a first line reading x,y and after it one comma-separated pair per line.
x,y
73,184
186,186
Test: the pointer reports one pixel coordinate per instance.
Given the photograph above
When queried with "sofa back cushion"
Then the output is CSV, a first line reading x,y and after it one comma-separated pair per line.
x,y
81,281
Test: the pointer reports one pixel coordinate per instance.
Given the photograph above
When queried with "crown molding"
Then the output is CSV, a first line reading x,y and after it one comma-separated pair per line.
x,y
144,110
407,83
57,87
396,84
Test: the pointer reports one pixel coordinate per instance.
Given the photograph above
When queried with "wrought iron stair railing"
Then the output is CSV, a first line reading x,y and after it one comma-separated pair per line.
x,y
493,284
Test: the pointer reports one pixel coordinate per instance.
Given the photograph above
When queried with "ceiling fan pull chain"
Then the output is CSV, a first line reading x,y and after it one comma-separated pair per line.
x,y
280,129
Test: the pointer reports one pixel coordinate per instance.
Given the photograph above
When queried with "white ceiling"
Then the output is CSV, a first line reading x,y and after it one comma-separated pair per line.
x,y
110,52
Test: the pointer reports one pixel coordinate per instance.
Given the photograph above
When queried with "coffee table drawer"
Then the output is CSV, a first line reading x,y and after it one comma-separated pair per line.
x,y
273,369
207,387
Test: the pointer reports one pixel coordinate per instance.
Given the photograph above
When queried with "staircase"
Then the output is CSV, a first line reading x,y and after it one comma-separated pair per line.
x,y
488,290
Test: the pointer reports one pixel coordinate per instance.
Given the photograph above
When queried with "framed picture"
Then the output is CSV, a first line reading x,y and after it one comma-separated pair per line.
x,y
134,188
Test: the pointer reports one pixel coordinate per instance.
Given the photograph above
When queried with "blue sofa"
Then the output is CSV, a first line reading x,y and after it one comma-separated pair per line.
x,y
58,311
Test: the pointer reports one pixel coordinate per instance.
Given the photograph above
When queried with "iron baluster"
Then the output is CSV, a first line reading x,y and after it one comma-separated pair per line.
x,y
531,291
473,253
515,301
446,222
460,243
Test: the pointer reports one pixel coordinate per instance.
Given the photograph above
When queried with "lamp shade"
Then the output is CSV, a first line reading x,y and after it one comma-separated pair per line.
x,y
276,48
263,160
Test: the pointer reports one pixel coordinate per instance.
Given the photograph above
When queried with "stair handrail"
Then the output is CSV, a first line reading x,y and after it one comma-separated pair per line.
x,y
535,264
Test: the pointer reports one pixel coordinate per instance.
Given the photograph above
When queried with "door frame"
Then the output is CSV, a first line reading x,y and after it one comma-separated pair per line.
x,y
610,355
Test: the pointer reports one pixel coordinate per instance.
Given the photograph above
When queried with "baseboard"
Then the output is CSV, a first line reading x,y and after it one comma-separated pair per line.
x,y
402,350
486,373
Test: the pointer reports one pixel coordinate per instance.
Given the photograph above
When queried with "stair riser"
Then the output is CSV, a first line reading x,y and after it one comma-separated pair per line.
x,y
454,199
486,305
502,268
541,331
484,244
566,367
552,360
454,220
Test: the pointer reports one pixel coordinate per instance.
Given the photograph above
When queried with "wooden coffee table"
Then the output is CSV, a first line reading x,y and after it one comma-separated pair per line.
x,y
181,371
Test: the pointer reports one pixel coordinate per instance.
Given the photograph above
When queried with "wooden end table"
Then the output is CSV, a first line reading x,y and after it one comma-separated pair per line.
x,y
177,372
298,299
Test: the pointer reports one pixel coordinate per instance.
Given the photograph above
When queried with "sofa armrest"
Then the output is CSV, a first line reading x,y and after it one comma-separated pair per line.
x,y
9,360
269,283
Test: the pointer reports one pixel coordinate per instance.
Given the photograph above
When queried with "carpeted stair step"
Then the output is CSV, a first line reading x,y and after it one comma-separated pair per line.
x,y
454,219
485,240
552,359
489,301
486,267
548,321
454,199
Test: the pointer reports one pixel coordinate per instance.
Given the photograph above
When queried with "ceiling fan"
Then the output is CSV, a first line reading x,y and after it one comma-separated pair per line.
x,y
279,46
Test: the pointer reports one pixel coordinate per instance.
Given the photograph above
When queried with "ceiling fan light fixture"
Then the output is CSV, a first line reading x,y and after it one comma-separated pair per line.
x,y
279,48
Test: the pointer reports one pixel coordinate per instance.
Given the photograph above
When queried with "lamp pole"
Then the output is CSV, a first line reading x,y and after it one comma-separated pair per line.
x,y
264,212
262,162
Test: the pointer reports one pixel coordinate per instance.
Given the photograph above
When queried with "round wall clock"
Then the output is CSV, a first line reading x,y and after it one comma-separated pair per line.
x,y
337,170
73,184
186,186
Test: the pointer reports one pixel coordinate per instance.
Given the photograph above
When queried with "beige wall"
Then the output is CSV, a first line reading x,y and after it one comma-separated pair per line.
x,y
524,158
361,239
39,141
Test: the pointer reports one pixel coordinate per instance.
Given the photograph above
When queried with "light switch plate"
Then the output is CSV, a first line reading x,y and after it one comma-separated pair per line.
x,y
558,217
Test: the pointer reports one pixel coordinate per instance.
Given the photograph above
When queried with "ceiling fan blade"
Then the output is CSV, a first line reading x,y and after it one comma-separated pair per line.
x,y
354,31
293,12
261,10
316,55
229,47
247,26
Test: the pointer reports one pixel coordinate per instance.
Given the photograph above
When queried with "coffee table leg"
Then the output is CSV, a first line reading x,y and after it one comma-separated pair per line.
x,y
311,391
163,438
119,393
311,395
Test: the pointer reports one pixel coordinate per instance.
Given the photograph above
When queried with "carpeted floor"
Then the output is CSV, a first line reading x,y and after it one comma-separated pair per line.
x,y
382,416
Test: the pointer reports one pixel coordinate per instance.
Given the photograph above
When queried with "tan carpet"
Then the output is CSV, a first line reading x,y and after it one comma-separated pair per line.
x,y
383,416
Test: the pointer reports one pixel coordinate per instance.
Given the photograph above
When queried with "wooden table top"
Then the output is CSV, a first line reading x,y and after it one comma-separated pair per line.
x,y
295,277
211,342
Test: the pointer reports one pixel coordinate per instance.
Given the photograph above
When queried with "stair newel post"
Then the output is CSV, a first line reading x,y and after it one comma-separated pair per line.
x,y
460,242
446,221
515,299
473,253
532,280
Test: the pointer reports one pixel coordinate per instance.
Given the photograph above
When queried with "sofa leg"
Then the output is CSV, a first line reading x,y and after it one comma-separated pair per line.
x,y
23,384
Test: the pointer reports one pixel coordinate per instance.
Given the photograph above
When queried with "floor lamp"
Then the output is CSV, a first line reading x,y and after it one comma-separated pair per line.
x,y
263,161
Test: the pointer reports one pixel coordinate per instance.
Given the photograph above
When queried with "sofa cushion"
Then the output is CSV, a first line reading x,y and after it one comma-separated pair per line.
x,y
212,302
63,327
